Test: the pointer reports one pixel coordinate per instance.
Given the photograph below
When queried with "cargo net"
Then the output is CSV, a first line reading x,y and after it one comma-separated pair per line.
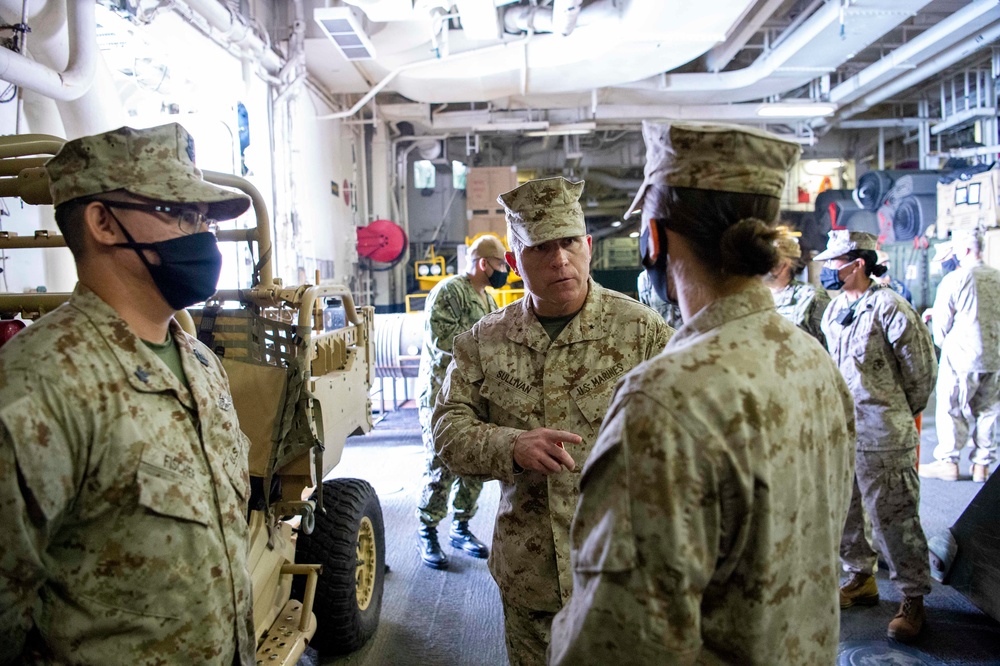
x,y
268,365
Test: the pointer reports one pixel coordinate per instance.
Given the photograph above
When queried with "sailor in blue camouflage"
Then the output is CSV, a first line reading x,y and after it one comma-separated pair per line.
x,y
648,296
801,303
713,501
887,357
452,307
123,470
526,394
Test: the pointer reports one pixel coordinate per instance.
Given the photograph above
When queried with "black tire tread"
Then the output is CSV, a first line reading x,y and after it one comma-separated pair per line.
x,y
341,626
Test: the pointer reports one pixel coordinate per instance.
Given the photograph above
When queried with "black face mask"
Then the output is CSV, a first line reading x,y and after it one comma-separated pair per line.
x,y
497,278
657,270
189,267
830,279
949,264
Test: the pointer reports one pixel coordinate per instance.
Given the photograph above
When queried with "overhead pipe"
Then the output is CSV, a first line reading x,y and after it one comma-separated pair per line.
x,y
561,18
237,33
73,82
935,65
723,54
924,45
565,14
604,178
767,64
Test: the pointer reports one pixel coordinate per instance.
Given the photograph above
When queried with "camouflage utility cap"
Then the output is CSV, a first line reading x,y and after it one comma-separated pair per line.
x,y
942,251
843,241
155,163
487,247
723,158
962,239
544,210
787,244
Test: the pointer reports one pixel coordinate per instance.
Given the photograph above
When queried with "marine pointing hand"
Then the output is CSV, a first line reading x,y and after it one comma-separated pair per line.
x,y
542,450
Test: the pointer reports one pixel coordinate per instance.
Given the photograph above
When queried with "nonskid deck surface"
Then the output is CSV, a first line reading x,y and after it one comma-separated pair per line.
x,y
454,616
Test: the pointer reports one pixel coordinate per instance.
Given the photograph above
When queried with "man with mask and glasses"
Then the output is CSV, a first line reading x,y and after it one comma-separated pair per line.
x,y
123,470
452,307
525,395
886,355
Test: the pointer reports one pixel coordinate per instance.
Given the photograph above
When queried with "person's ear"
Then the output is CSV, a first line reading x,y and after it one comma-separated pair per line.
x,y
99,224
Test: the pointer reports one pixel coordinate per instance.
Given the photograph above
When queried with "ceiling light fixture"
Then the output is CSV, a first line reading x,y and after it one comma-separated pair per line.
x,y
796,110
616,224
562,130
515,126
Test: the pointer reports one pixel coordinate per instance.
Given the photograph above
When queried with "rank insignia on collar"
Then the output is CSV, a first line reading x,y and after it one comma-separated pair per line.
x,y
225,403
201,358
142,374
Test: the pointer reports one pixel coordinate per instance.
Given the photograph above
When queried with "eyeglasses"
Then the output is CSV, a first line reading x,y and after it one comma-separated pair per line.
x,y
189,220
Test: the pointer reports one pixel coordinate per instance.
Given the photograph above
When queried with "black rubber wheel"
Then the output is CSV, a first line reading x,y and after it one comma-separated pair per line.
x,y
349,541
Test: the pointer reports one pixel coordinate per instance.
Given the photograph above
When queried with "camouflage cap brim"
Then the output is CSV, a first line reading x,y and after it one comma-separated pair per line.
x,y
156,163
843,241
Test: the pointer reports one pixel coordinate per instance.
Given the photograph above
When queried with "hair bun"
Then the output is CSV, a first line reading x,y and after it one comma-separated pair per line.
x,y
747,248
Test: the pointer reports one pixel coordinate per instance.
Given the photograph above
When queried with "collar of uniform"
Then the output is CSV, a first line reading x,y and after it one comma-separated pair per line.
x,y
750,300
145,372
587,325
843,301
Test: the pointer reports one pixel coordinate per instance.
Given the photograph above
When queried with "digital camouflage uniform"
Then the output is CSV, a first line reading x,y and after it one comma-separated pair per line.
x,y
966,325
712,504
508,377
124,496
887,357
454,306
803,305
647,296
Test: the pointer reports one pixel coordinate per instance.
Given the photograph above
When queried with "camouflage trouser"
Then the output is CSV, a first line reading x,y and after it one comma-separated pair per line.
x,y
438,483
527,633
968,403
887,492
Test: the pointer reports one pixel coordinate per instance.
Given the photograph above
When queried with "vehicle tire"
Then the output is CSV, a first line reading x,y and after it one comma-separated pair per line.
x,y
349,541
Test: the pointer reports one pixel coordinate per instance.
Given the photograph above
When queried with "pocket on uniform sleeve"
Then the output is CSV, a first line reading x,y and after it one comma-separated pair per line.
x,y
603,536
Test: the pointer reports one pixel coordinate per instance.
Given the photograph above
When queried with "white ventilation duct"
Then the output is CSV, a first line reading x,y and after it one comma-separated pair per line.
x,y
75,80
613,42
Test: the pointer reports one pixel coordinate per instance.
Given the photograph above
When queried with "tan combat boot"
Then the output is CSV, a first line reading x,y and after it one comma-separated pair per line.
x,y
908,622
980,473
939,469
859,590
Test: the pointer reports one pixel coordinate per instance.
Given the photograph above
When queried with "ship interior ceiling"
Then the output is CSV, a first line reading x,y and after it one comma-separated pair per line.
x,y
378,133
